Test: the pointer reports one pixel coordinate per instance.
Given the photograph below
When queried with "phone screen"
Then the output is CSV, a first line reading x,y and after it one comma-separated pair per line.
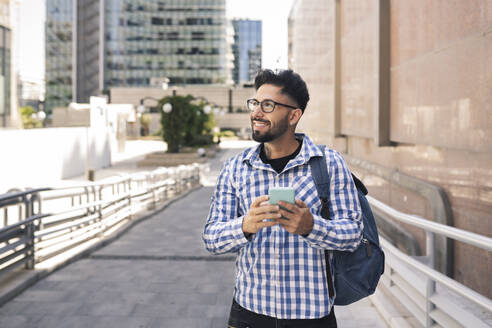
x,y
286,194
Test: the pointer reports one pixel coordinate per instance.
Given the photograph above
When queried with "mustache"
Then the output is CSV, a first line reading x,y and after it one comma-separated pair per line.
x,y
259,120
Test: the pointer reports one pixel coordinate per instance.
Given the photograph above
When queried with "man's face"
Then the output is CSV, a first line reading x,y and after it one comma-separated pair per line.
x,y
267,127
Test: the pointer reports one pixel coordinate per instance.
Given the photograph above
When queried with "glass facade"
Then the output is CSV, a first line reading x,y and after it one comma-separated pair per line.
x,y
59,18
246,49
5,64
183,40
143,41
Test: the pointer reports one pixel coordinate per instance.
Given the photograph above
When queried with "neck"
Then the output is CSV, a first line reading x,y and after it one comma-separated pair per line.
x,y
281,147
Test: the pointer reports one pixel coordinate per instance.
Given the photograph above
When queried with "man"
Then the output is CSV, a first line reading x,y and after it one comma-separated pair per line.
x,y
281,273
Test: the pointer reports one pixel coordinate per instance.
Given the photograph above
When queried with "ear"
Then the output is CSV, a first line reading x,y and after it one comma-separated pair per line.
x,y
295,116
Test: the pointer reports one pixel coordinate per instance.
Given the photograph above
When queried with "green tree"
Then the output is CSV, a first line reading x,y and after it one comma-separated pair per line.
x,y
29,120
186,124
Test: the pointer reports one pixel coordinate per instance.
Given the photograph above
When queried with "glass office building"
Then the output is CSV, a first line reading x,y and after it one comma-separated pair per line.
x,y
58,45
246,50
5,64
5,74
138,43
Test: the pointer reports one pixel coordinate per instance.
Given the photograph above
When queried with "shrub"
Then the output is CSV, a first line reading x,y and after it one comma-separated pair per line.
x,y
186,124
28,118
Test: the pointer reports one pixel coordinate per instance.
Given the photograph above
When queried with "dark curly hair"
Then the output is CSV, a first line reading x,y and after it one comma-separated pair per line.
x,y
292,84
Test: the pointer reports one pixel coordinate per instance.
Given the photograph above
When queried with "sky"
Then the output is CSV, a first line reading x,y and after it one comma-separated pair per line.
x,y
31,33
273,13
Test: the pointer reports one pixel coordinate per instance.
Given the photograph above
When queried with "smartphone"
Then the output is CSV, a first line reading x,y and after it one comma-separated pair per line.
x,y
286,194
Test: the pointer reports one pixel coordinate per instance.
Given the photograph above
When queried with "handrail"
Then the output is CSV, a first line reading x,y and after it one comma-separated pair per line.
x,y
105,208
398,279
23,222
452,284
434,194
4,198
120,179
451,232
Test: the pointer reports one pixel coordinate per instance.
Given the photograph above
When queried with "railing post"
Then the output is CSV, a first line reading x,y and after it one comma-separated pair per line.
x,y
165,177
152,188
40,208
430,283
94,199
5,217
88,210
99,212
29,254
130,204
430,249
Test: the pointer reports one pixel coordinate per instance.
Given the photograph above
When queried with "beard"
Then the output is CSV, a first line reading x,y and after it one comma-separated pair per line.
x,y
276,130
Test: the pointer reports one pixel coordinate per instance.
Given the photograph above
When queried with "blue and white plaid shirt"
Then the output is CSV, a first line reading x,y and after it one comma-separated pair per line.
x,y
278,273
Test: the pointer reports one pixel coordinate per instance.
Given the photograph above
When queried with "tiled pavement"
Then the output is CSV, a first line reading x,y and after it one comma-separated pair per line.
x,y
156,275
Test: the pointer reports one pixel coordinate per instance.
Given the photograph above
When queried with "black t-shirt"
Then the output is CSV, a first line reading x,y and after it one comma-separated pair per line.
x,y
278,164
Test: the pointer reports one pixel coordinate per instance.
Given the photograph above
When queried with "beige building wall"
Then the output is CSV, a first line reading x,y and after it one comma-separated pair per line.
x,y
218,95
436,113
314,58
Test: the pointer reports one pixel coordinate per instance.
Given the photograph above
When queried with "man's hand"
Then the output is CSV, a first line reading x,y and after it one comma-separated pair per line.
x,y
258,212
296,218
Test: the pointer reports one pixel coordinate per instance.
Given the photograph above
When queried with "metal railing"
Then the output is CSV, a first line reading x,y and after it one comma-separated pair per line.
x,y
40,224
414,283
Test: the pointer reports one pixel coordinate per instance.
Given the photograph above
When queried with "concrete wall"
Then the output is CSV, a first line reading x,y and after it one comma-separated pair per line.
x,y
39,157
218,95
433,119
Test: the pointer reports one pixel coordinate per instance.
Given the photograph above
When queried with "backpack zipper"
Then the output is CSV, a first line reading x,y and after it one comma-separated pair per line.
x,y
368,246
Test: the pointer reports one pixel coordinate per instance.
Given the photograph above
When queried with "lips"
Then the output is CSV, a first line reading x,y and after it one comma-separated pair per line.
x,y
260,126
260,123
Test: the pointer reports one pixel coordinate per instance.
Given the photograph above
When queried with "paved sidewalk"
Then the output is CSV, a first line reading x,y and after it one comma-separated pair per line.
x,y
156,275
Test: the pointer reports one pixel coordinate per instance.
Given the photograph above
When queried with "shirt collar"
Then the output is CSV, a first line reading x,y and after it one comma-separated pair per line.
x,y
309,149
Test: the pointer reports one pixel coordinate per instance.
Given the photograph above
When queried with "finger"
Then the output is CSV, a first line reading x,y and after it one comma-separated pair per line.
x,y
267,216
300,203
259,200
265,209
286,215
287,206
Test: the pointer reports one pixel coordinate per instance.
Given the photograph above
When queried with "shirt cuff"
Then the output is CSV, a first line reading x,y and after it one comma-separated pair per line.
x,y
237,231
318,233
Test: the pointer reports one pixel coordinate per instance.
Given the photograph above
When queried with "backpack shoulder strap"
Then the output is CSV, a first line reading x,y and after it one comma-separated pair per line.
x,y
359,185
319,171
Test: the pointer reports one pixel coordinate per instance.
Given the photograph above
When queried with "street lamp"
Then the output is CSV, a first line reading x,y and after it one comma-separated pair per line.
x,y
207,109
167,108
140,109
41,115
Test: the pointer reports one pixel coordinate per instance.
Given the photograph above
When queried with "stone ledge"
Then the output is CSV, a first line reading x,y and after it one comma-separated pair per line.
x,y
161,158
168,159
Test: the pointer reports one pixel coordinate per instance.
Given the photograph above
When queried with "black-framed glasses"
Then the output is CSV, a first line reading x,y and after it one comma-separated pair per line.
x,y
267,105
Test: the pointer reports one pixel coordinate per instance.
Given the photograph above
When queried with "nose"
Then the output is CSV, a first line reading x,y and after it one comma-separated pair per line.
x,y
257,110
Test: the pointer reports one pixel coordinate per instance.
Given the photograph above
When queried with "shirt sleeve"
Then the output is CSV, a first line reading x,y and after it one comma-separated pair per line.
x,y
344,230
223,231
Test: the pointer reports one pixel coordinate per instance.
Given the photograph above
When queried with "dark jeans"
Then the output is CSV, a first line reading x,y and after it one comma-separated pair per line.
x,y
242,318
